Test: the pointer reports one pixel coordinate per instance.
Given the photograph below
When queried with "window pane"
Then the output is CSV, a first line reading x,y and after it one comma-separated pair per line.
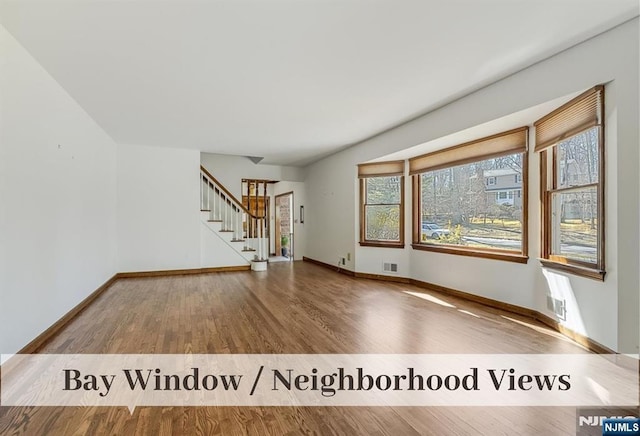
x,y
382,223
474,205
577,159
383,190
575,224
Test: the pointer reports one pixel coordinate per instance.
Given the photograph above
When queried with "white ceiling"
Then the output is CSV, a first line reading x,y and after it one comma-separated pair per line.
x,y
290,80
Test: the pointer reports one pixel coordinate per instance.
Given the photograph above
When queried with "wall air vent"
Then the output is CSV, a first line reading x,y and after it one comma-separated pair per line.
x,y
390,267
557,306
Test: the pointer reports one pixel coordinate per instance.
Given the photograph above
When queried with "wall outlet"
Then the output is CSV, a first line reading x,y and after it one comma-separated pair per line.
x,y
349,256
342,261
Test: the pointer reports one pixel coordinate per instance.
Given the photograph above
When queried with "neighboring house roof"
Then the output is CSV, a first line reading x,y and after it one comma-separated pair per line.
x,y
501,172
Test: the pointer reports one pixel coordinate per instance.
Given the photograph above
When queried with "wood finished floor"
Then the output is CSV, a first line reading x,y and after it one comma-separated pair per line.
x,y
293,308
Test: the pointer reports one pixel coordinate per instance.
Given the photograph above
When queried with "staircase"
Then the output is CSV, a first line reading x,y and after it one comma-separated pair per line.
x,y
244,230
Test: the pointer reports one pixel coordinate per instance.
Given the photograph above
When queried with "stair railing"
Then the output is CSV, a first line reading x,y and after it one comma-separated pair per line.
x,y
234,217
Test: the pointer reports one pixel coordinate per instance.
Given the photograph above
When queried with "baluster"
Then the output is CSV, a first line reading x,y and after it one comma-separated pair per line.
x,y
224,219
245,235
265,249
244,230
201,191
217,202
234,221
207,200
227,212
259,238
253,238
214,203
221,218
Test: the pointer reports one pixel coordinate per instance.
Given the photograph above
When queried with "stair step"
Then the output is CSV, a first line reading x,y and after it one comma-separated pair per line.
x,y
237,240
205,210
248,249
214,221
226,231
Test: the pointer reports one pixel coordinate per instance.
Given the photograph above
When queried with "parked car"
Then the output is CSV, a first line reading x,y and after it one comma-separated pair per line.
x,y
433,231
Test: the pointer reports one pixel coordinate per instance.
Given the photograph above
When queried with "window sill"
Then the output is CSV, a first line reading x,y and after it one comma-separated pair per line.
x,y
581,271
382,244
495,255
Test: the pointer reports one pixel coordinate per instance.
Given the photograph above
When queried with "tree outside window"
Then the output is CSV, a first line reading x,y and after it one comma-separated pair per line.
x,y
382,204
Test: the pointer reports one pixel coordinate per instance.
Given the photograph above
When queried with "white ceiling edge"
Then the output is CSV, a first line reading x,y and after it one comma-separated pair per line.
x,y
525,117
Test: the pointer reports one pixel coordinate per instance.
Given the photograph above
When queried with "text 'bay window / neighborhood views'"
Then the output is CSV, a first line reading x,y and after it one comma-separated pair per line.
x,y
471,199
382,204
570,142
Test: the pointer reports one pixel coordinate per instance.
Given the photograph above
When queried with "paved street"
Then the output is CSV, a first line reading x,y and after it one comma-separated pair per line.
x,y
566,249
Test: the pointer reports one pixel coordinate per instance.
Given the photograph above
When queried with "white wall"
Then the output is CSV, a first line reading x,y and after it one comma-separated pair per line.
x,y
215,252
158,208
606,312
330,216
58,200
299,229
230,170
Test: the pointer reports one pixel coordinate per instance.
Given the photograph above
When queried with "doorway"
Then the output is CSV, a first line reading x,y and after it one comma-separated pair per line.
x,y
284,226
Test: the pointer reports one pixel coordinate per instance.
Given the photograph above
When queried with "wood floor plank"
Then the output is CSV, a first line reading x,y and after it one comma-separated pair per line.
x,y
293,308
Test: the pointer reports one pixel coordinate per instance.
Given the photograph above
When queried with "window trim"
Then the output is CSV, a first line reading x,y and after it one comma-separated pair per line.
x,y
595,271
486,253
375,170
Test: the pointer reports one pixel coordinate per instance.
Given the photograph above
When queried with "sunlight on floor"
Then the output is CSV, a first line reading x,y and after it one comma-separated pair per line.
x,y
430,298
468,313
540,329
601,392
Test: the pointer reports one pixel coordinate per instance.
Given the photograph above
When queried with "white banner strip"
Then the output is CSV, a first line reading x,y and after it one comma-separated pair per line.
x,y
320,380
